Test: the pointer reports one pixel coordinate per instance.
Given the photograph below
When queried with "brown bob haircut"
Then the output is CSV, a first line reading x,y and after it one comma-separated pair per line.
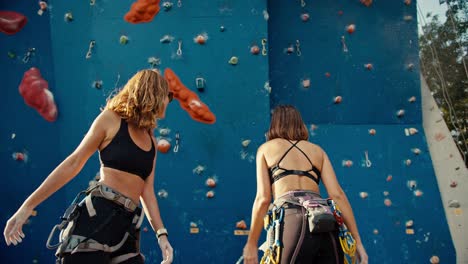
x,y
141,101
286,122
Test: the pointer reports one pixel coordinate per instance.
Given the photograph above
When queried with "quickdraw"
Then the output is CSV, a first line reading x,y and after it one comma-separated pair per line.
x,y
272,224
348,244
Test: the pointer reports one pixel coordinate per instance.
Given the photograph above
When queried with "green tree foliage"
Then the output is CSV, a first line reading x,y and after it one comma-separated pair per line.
x,y
444,65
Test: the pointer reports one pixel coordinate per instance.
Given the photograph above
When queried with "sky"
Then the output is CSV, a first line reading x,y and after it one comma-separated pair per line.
x,y
433,6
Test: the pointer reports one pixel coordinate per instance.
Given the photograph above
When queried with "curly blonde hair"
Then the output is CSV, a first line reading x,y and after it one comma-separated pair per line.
x,y
141,101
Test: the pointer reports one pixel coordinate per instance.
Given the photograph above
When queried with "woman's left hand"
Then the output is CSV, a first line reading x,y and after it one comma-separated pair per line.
x,y
250,254
166,250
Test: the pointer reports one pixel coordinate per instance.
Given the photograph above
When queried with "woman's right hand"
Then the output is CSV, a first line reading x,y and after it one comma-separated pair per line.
x,y
13,232
361,254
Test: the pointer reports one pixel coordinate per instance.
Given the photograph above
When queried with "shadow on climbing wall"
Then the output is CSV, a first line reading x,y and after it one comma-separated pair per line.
x,y
85,50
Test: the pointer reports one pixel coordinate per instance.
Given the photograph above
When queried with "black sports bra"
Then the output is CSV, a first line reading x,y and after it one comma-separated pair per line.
x,y
123,154
286,172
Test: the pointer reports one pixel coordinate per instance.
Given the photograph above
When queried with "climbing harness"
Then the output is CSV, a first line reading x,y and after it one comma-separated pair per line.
x,y
70,243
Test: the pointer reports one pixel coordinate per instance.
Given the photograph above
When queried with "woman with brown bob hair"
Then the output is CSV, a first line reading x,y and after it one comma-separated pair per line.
x,y
289,169
104,226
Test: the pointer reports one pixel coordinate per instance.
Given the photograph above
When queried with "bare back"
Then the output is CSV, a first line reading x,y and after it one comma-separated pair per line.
x,y
294,160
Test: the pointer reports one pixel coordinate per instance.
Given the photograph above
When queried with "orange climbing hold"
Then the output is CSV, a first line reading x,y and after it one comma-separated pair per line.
x,y
142,11
189,100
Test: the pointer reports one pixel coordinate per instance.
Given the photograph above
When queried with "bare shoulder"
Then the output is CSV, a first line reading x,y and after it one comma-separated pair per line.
x,y
107,121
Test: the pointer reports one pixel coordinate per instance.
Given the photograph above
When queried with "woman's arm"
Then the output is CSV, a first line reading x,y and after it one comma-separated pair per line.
x,y
335,192
259,209
150,205
62,174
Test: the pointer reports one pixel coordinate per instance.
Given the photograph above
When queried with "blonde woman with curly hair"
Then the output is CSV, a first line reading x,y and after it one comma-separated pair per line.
x,y
103,224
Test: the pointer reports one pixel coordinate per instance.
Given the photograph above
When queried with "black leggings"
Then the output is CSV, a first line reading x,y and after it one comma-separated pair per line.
x,y
316,248
116,221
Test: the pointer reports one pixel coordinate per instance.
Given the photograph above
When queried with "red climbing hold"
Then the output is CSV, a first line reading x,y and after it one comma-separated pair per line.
x,y
142,11
11,22
188,100
36,94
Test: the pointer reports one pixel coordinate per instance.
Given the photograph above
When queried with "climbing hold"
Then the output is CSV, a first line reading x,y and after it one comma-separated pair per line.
x,y
408,162
412,184
12,22
255,50
245,143
42,7
363,195
19,156
145,229
434,259
142,11
164,131
97,84
389,178
388,202
372,132
410,66
416,151
327,74
410,131
408,18
199,169
11,55
68,17
13,136
351,28
305,17
189,100
210,182
163,193
366,2
385,193
201,38
409,223
337,99
123,40
412,99
409,231
167,6
233,60
400,113
418,193
241,225
306,83
347,163
368,66
453,184
163,145
375,231
222,28
209,194
290,49
194,228
267,87
266,16
36,94
313,127
200,84
340,12
153,61
454,204
166,39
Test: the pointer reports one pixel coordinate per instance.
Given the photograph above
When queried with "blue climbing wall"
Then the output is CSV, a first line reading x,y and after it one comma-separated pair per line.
x,y
334,61
239,97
